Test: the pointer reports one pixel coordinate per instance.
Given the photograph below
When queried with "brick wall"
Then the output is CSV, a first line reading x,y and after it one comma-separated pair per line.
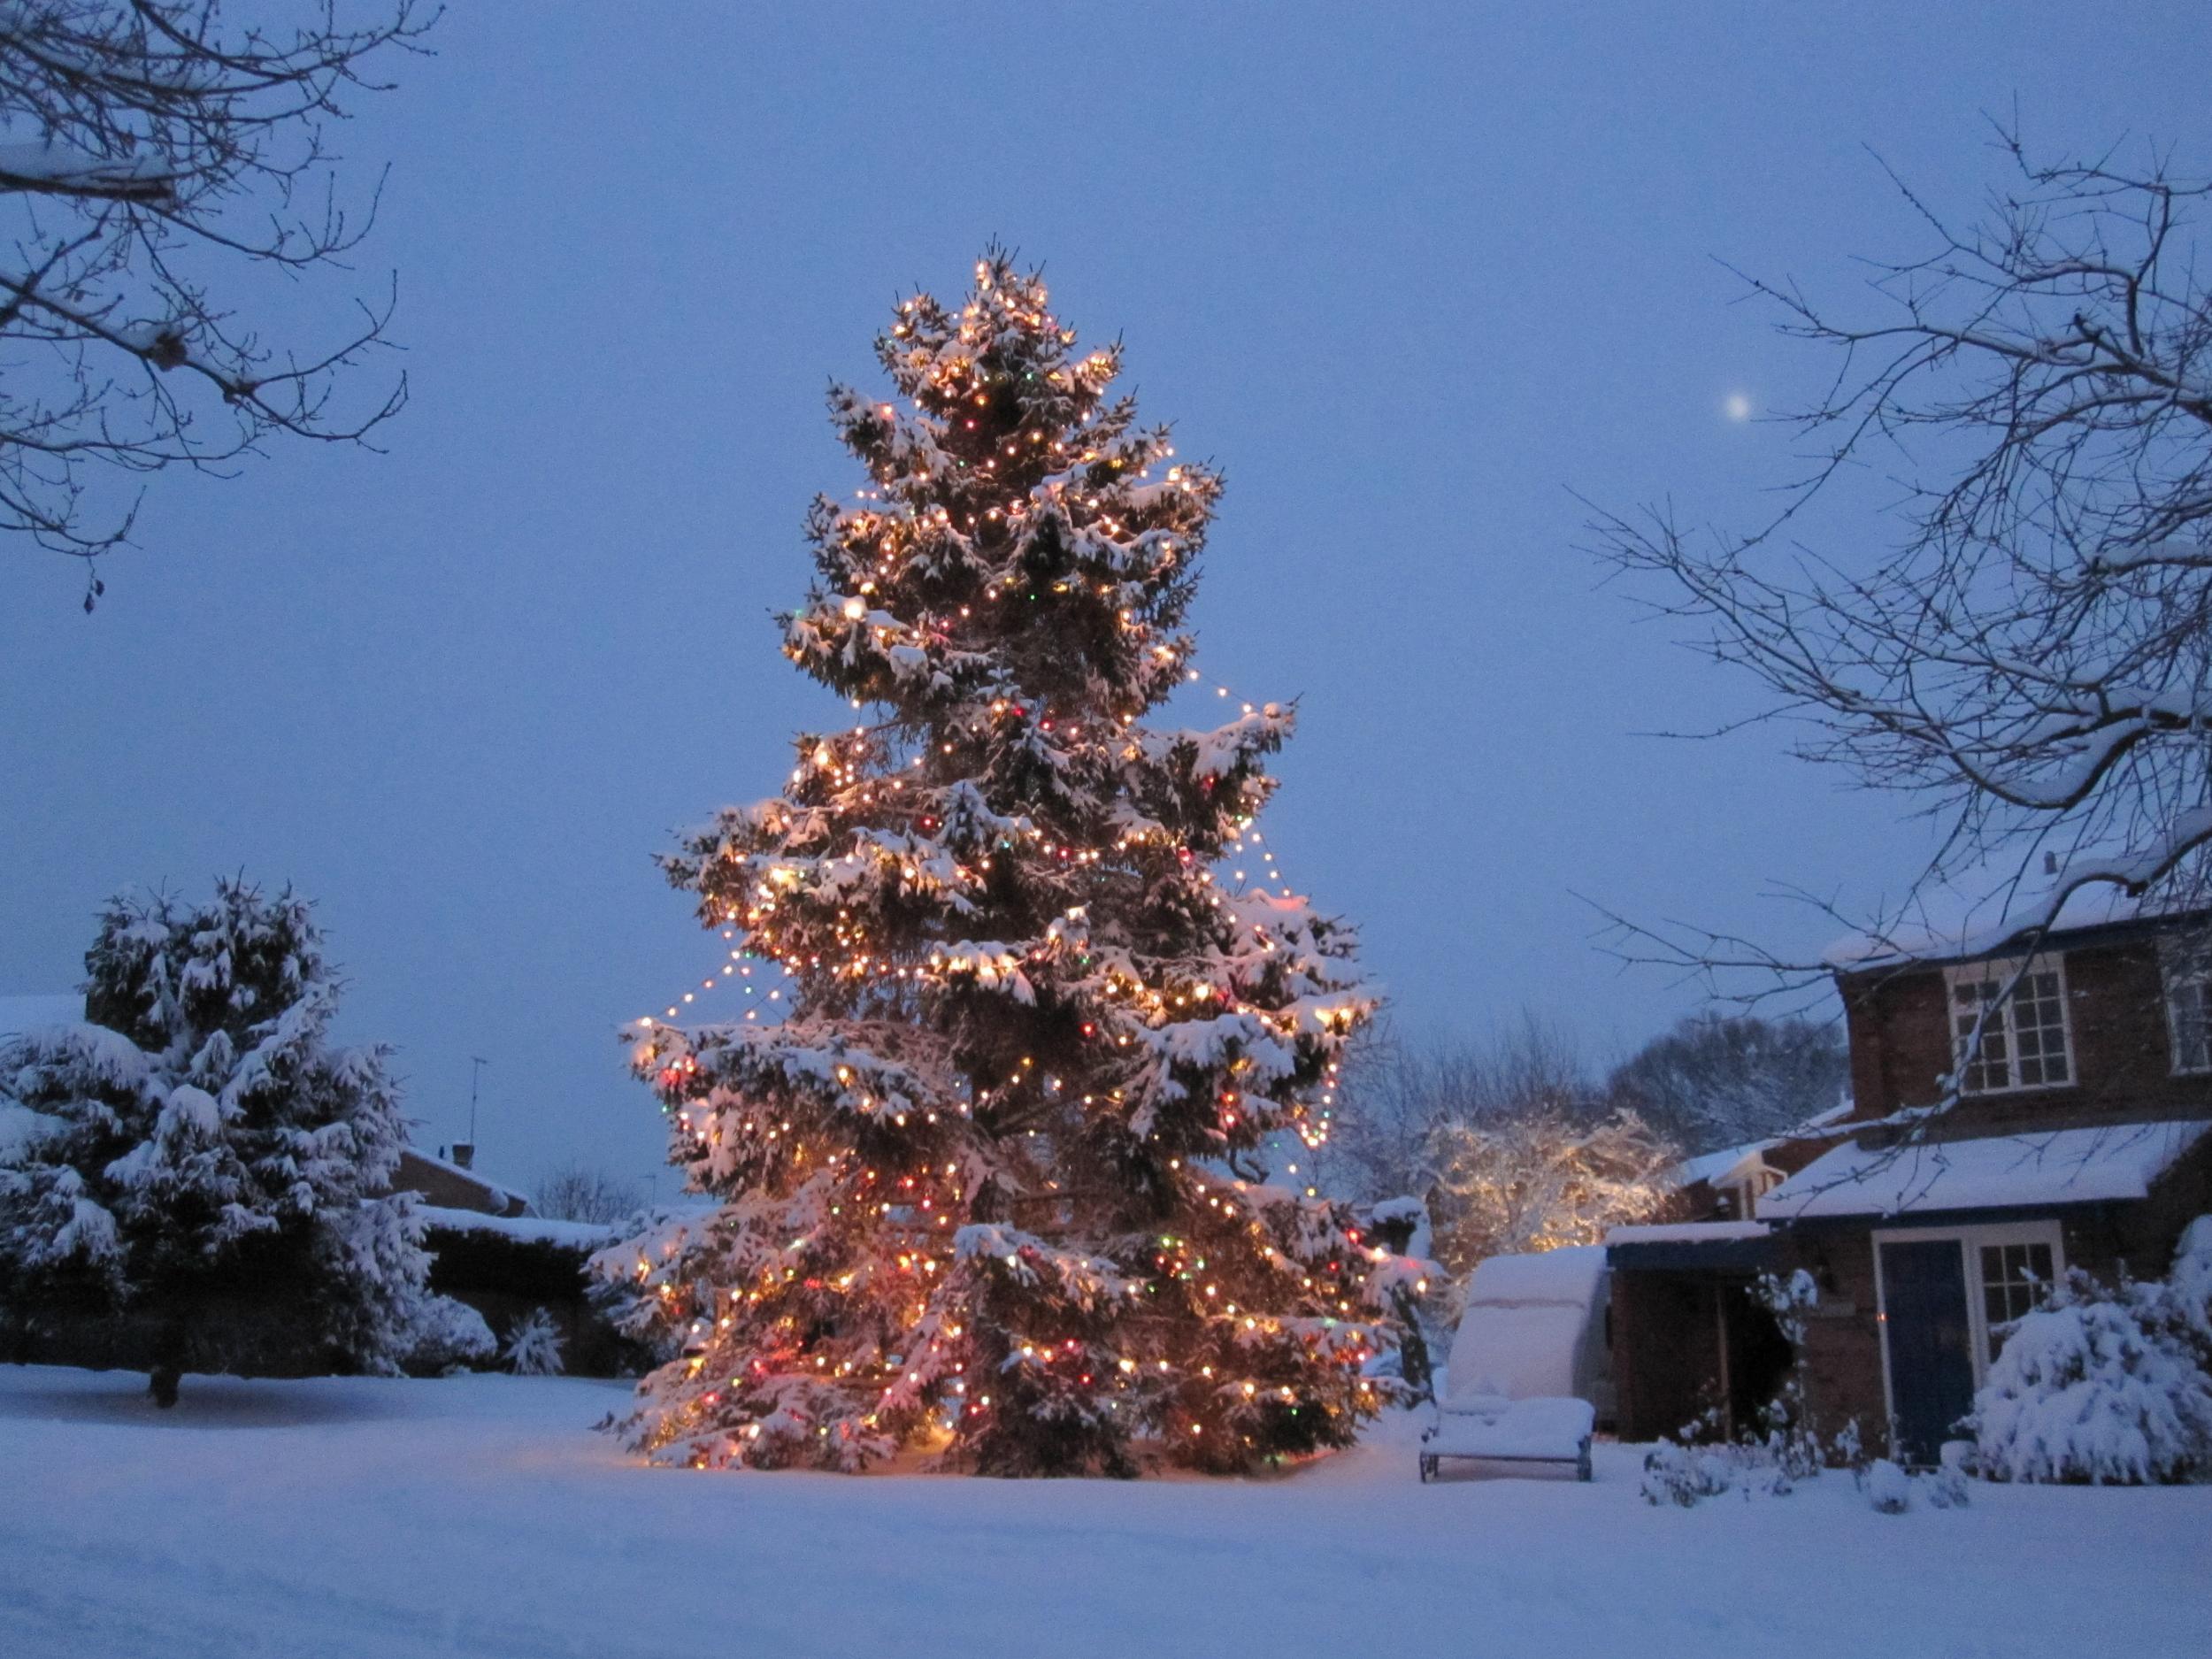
x,y
1900,1027
1841,1365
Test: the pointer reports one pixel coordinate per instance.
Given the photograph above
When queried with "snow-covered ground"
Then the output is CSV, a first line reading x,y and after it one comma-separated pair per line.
x,y
479,1516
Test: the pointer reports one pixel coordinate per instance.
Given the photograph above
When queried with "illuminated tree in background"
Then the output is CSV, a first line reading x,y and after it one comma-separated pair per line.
x,y
990,1183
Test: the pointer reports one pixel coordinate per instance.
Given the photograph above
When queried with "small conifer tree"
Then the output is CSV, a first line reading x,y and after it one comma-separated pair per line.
x,y
198,1145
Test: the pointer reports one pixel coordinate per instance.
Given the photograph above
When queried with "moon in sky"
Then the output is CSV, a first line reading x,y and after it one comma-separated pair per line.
x,y
1736,406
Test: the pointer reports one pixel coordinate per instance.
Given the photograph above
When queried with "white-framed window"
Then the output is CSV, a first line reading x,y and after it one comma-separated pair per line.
x,y
2186,966
2007,1267
2023,1041
2014,1274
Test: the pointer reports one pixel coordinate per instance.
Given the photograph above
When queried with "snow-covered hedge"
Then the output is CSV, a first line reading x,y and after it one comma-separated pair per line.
x,y
2103,1385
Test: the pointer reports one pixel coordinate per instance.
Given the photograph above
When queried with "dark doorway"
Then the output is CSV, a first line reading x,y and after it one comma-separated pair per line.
x,y
1931,1359
1757,1357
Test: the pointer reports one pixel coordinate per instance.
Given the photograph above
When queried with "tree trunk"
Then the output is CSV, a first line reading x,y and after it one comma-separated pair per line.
x,y
168,1369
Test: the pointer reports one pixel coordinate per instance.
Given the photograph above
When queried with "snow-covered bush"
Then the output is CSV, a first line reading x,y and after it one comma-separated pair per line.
x,y
1790,1438
2095,1385
1946,1484
1685,1475
1888,1488
200,1153
1697,1461
533,1348
448,1335
2189,1286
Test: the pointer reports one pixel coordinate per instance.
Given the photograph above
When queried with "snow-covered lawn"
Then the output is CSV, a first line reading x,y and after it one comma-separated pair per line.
x,y
479,1516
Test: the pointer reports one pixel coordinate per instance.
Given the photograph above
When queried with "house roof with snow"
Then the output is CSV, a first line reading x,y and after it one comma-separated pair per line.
x,y
19,1014
522,1229
1998,907
1715,1168
2063,1166
1686,1233
450,1186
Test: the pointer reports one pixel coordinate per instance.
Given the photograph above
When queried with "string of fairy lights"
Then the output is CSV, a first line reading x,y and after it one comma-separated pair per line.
x,y
737,972
923,1199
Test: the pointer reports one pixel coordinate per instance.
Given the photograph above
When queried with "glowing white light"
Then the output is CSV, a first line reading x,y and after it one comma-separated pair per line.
x,y
1736,406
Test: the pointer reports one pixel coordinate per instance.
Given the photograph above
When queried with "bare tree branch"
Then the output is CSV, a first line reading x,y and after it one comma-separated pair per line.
x,y
2031,663
150,151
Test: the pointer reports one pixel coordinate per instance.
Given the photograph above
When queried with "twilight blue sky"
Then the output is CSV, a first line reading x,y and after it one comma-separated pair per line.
x,y
1410,274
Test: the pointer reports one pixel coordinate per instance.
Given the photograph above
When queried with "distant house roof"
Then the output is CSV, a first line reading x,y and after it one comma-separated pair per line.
x,y
523,1229
1714,1168
452,1188
2064,1166
19,1014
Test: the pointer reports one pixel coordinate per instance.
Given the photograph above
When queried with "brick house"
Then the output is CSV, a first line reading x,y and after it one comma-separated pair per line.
x,y
2081,1136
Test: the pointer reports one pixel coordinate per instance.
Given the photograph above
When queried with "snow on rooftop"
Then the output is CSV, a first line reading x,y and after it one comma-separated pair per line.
x,y
1687,1233
524,1229
2065,1166
1712,1167
501,1194
1982,911
18,1014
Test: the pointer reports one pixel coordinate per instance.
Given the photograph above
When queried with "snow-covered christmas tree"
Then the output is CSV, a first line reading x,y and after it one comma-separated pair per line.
x,y
990,1184
200,1151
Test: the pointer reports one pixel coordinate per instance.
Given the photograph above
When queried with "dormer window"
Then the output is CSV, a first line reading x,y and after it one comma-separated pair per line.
x,y
2009,1025
2185,964
1749,1189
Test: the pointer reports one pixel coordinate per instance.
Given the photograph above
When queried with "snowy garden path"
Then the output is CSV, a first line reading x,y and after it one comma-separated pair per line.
x,y
476,1515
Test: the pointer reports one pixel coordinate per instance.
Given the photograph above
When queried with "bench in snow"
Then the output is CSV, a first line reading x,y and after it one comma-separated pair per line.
x,y
1555,1430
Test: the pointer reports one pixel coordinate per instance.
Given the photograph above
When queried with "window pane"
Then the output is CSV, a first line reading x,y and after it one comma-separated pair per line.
x,y
2014,1278
2188,991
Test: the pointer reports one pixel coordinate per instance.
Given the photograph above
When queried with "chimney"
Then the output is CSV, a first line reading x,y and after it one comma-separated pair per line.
x,y
464,1155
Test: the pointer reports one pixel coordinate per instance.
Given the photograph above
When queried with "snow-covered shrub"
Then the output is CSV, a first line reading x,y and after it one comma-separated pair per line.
x,y
533,1348
2189,1286
200,1151
1685,1475
2093,1387
1946,1484
1791,1439
1695,1462
448,1336
1888,1488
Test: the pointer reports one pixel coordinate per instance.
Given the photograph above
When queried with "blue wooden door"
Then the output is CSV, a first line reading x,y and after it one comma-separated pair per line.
x,y
1931,1343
